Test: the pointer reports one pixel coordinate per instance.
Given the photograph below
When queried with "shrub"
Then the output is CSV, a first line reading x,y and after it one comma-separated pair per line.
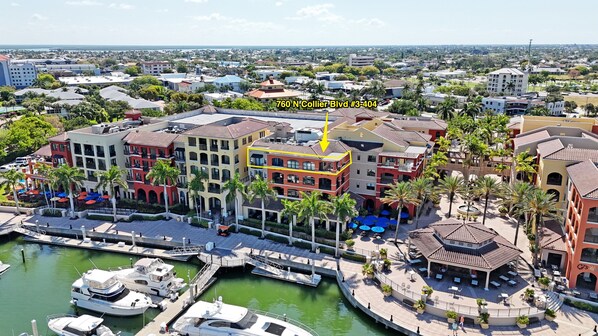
x,y
327,250
278,239
451,314
550,312
581,305
387,289
387,263
100,217
502,209
544,281
353,256
250,232
480,302
52,213
367,269
302,244
523,319
483,318
350,242
199,223
419,304
383,252
529,293
137,217
427,290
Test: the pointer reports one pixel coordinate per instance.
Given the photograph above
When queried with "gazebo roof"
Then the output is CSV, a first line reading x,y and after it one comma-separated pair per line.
x,y
487,257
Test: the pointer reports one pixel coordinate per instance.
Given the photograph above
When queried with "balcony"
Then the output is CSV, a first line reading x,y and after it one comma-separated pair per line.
x,y
148,182
152,156
203,162
255,162
386,180
203,147
146,168
278,180
406,167
214,190
182,185
224,147
136,166
127,164
134,152
214,148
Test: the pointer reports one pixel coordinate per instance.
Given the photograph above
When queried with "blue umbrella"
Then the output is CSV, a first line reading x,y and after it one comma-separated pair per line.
x,y
385,212
359,218
364,228
371,217
99,199
89,198
377,229
353,225
61,195
368,221
392,222
383,222
404,215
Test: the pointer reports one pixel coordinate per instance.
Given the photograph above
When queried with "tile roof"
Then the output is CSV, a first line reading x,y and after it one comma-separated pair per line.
x,y
549,147
399,136
335,146
488,257
429,123
353,112
527,138
260,94
154,139
62,137
474,233
574,154
584,176
232,128
552,236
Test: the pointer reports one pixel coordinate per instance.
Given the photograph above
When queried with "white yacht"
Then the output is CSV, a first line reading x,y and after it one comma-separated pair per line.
x,y
150,276
3,267
100,291
215,319
87,325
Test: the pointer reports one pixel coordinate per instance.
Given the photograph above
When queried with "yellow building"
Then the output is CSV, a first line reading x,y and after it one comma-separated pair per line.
x,y
530,123
219,149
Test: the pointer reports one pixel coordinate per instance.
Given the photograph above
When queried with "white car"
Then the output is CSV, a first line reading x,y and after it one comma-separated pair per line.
x,y
21,161
7,167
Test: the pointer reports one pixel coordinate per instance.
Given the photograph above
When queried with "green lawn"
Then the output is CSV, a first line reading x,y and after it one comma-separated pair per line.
x,y
582,100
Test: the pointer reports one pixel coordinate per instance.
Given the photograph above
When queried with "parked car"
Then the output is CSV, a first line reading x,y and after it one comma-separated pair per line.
x,y
21,161
7,167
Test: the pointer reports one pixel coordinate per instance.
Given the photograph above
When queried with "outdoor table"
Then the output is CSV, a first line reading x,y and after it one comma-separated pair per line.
x,y
422,269
438,276
457,280
495,284
414,261
511,273
454,289
512,283
556,273
576,293
554,267
474,283
503,278
504,296
593,296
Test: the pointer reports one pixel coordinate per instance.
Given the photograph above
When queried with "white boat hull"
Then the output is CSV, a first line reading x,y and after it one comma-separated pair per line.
x,y
103,307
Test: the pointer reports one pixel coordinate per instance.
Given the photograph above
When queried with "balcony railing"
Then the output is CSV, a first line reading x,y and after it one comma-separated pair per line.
x,y
278,180
214,148
153,156
325,186
386,180
146,168
203,162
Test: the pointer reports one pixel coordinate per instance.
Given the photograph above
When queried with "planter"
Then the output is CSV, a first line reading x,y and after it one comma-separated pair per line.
x,y
549,318
420,310
451,320
521,326
484,325
386,294
370,275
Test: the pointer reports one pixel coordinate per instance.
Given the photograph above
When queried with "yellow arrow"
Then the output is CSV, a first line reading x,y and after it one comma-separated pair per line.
x,y
324,142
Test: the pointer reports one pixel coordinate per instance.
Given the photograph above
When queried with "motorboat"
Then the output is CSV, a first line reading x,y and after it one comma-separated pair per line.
x,y
69,325
150,276
217,318
3,267
101,291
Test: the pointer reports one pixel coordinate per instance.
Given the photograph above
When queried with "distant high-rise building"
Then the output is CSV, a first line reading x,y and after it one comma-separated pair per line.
x,y
359,61
507,81
4,73
155,67
19,75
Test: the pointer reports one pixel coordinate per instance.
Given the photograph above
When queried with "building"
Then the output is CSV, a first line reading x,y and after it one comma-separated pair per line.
x,y
521,105
272,89
294,162
530,123
61,150
20,74
118,93
4,71
360,61
394,88
436,128
229,82
70,93
448,74
220,96
60,70
509,81
104,80
437,98
155,67
581,226
264,74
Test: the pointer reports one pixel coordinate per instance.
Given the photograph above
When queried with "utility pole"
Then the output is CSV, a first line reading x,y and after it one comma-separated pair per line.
x,y
529,56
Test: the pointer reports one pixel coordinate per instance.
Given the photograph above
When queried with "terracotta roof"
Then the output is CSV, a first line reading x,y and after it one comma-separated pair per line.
x,y
269,82
4,58
552,236
584,176
574,154
429,123
526,138
353,112
489,257
474,233
335,146
232,128
399,136
549,147
260,94
62,137
155,139
44,151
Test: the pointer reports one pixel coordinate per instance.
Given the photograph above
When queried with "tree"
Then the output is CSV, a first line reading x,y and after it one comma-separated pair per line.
x,y
132,71
260,188
69,178
47,81
450,185
76,123
446,109
141,81
181,67
196,186
235,188
46,172
525,164
540,204
486,186
402,106
370,71
291,210
473,108
7,93
515,199
570,106
539,111
400,193
590,109
311,206
11,179
375,89
422,189
28,134
163,173
343,207
109,180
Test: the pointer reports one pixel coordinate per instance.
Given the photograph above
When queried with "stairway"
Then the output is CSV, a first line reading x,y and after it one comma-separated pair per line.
x,y
553,301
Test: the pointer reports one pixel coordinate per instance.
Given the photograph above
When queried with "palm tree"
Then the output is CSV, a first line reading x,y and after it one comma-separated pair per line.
x,y
69,178
486,186
235,187
10,180
450,185
109,180
343,207
422,188
291,210
541,204
400,193
47,177
196,186
472,109
260,188
446,109
525,164
515,199
311,206
163,173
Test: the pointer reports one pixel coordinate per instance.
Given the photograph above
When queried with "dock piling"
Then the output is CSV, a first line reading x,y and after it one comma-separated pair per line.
x,y
34,328
83,231
133,238
23,255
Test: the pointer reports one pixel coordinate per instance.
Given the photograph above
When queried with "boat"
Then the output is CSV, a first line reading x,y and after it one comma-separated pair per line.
x,y
3,267
69,325
150,276
217,318
101,291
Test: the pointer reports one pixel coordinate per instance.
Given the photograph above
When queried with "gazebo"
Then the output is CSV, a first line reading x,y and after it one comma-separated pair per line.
x,y
471,246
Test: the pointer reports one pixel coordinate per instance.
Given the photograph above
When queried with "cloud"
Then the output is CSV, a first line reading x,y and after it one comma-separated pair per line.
x,y
165,10
218,21
278,3
319,12
38,17
83,3
122,6
14,4
196,1
373,22
211,17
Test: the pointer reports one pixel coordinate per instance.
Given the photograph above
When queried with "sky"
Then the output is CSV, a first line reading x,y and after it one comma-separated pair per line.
x,y
297,22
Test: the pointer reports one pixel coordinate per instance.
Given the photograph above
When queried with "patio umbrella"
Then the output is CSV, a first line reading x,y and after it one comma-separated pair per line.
x,y
33,192
54,199
359,218
371,217
100,199
377,229
392,222
89,198
90,202
368,221
63,200
352,226
404,215
81,197
382,222
106,197
364,228
62,194
83,193
385,212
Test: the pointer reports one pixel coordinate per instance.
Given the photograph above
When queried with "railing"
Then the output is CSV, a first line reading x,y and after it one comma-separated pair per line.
x,y
288,320
262,261
460,309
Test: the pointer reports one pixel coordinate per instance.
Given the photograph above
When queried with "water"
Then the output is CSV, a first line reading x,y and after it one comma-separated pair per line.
x,y
41,287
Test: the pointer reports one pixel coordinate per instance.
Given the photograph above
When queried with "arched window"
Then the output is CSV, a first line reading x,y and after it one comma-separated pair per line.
x,y
307,165
192,156
308,180
203,158
292,178
554,179
556,194
325,184
293,164
225,159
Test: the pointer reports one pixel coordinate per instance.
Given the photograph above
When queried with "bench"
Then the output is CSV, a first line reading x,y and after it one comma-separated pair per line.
x,y
409,304
533,320
468,321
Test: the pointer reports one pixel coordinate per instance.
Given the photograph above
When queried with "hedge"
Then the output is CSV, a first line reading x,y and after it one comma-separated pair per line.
x,y
278,239
354,257
301,244
52,213
146,218
100,217
581,305
202,223
251,232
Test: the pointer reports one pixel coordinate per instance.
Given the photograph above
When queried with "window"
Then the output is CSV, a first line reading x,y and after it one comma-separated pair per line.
x,y
79,161
236,143
54,147
371,186
262,134
307,165
88,150
112,151
100,151
292,178
236,158
250,139
225,159
101,164
244,141
292,193
371,158
77,148
358,157
308,180
224,144
293,164
192,156
371,172
113,162
62,148
358,172
277,162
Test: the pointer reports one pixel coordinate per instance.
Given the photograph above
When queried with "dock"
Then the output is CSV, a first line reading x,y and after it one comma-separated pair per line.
x,y
270,269
203,280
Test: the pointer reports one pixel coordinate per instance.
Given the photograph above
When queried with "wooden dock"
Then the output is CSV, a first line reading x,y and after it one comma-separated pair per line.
x,y
173,310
